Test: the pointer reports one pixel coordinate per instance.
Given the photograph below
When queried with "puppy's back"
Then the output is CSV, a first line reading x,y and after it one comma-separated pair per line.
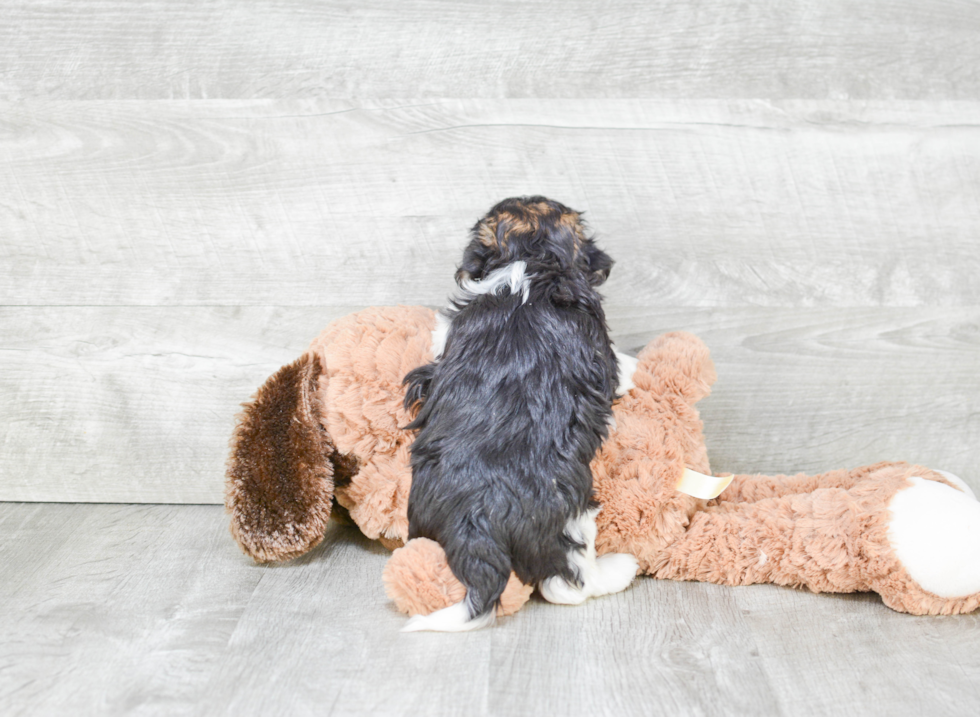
x,y
515,410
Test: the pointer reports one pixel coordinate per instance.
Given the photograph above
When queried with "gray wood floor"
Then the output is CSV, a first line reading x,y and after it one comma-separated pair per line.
x,y
123,609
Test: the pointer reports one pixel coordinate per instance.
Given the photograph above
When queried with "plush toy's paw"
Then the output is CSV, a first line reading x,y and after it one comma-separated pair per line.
x,y
609,574
958,482
935,533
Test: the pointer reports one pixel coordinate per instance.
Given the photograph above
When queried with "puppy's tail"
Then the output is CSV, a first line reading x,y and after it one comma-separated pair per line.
x,y
485,581
455,618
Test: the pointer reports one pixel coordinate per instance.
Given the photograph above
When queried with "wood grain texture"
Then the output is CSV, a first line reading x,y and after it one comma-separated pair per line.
x,y
116,610
189,192
124,610
813,390
848,656
133,404
136,404
713,203
509,48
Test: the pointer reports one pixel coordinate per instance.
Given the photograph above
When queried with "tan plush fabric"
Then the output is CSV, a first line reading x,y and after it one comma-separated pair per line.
x,y
827,532
657,433
366,356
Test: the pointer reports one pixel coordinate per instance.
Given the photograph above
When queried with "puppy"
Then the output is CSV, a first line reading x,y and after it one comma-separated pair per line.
x,y
510,416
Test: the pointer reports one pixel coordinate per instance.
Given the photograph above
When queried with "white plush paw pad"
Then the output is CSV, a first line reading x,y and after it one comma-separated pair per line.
x,y
958,482
935,532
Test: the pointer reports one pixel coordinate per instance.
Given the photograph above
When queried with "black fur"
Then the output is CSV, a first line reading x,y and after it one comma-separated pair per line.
x,y
512,413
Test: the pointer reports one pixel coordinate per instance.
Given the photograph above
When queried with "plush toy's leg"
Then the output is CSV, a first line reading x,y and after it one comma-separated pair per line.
x,y
279,483
836,539
753,487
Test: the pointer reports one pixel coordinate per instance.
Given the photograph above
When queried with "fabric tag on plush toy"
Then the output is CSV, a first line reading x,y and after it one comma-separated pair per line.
x,y
701,486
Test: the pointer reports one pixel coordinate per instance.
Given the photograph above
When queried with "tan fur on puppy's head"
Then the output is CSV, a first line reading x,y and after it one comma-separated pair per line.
x,y
532,228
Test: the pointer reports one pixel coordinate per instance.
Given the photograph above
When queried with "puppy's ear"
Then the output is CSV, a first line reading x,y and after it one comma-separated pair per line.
x,y
474,263
599,263
482,247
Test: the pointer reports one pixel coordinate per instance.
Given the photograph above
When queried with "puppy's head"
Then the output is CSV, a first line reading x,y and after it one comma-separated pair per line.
x,y
543,233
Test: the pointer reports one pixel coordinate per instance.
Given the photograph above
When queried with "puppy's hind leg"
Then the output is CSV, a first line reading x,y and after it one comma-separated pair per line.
x,y
485,577
599,576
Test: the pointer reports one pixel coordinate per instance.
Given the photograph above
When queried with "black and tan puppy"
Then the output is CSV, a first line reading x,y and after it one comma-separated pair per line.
x,y
511,414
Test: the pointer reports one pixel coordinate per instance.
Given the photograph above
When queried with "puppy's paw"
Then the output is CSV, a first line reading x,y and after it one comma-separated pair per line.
x,y
561,592
615,572
608,574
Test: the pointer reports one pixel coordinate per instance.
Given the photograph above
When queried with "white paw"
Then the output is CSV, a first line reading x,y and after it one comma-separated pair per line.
x,y
602,576
935,532
616,572
557,590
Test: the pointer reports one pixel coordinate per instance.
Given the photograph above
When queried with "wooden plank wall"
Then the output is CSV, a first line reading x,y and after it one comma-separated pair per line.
x,y
190,191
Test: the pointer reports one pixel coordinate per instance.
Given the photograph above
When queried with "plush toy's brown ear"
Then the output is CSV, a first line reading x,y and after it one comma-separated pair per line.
x,y
279,485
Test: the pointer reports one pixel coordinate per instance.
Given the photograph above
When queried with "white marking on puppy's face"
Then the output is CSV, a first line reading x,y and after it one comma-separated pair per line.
x,y
513,276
